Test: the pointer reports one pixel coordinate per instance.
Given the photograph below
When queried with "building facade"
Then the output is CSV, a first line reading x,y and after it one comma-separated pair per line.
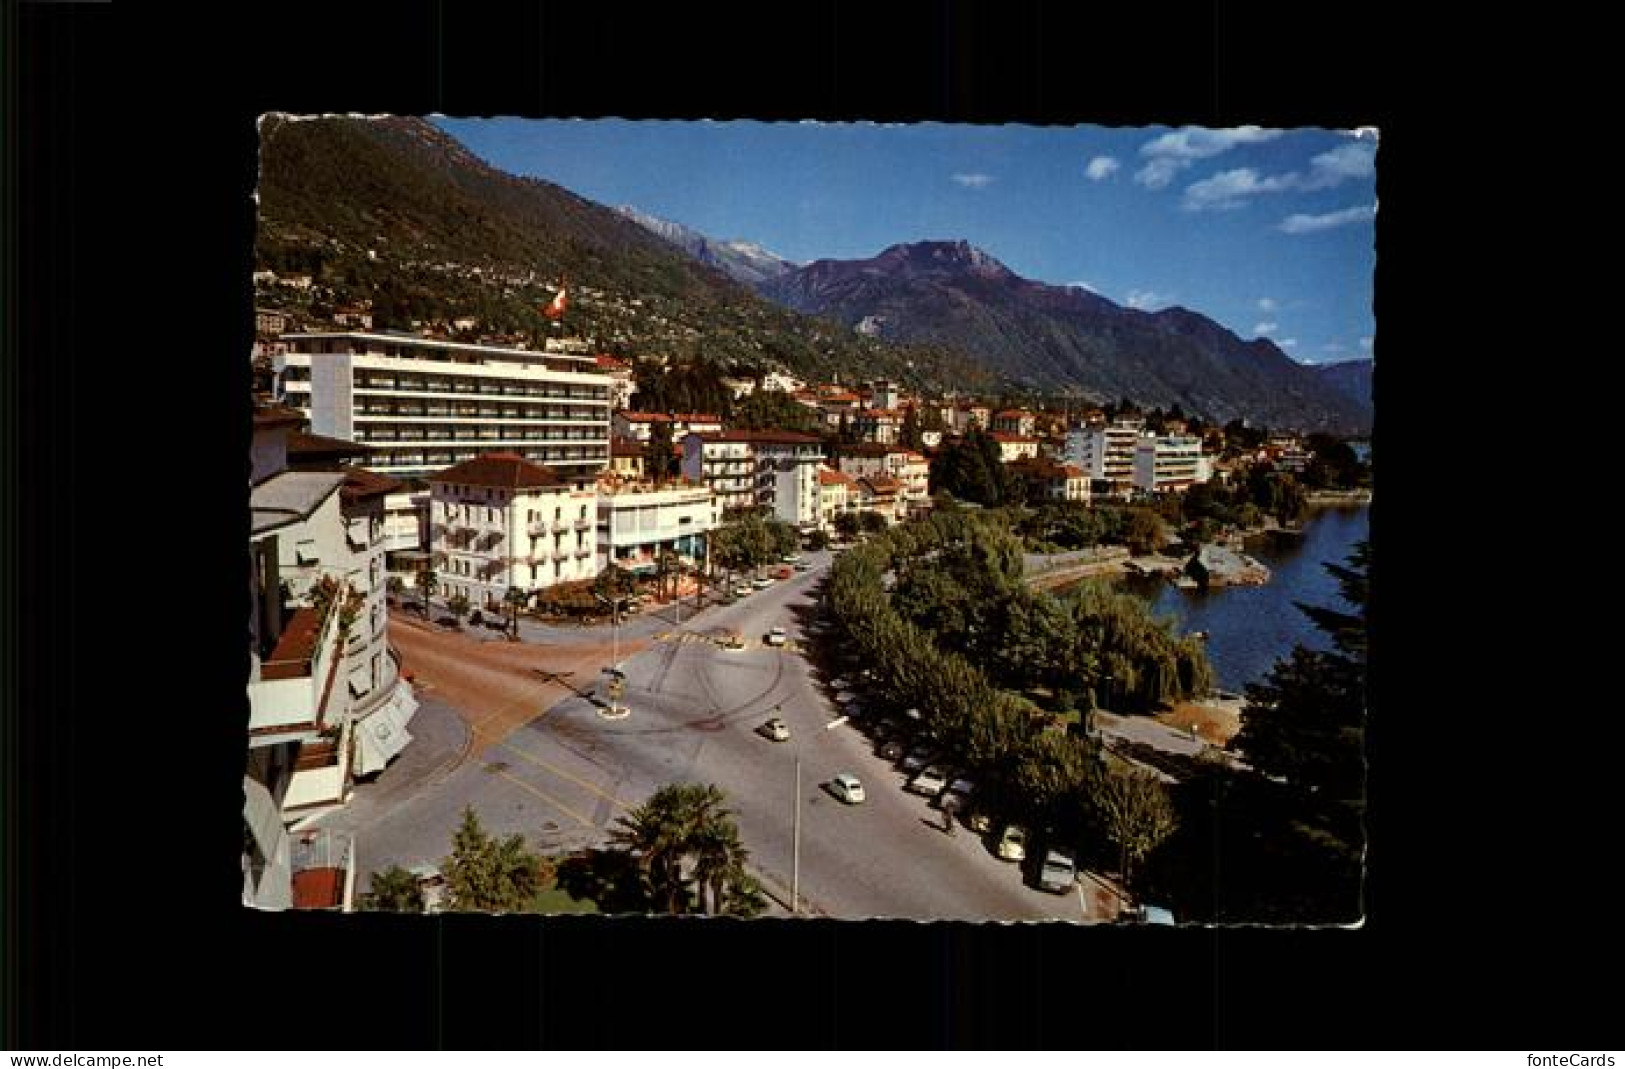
x,y
636,525
1167,462
500,522
774,470
1106,451
423,404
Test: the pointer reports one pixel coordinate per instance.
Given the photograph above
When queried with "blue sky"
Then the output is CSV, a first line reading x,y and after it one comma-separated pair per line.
x,y
1269,232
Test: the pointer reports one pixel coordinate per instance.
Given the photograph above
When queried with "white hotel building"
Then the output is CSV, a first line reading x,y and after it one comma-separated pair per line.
x,y
775,470
424,404
1106,452
1171,462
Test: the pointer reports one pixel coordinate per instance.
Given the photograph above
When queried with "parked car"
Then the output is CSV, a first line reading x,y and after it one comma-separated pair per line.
x,y
790,558
1059,871
979,822
803,566
958,794
917,760
847,788
1012,844
742,591
762,582
774,729
891,749
775,637
929,781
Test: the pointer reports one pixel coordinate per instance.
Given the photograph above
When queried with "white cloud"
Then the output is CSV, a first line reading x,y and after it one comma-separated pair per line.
x,y
1308,224
1261,329
1146,300
1365,343
1176,150
1267,304
1288,343
1101,167
1357,159
974,181
1228,189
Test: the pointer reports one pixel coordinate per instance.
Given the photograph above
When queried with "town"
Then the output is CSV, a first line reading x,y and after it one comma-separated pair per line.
x,y
517,612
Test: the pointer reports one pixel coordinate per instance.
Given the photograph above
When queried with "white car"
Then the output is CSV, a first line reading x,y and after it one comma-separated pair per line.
x,y
790,558
762,582
776,637
775,729
847,788
929,781
742,591
1013,843
1060,871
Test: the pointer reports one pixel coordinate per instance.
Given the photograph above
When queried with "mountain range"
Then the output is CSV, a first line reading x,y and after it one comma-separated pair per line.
x,y
1065,338
396,211
742,261
1349,377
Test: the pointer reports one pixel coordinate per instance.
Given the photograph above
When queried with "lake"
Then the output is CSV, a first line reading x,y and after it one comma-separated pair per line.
x,y
1250,628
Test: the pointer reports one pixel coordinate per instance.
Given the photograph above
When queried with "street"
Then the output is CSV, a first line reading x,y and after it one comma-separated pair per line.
x,y
559,772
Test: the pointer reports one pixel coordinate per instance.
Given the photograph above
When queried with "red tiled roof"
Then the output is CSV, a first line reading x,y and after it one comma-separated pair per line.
x,y
625,447
764,437
1013,413
675,417
361,483
276,415
507,471
826,477
318,888
305,446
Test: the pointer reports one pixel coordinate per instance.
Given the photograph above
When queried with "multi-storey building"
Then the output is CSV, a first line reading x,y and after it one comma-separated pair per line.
x,y
1106,452
775,470
883,393
500,522
425,404
1167,462
1014,446
639,426
622,385
1015,421
911,470
381,702
636,525
836,495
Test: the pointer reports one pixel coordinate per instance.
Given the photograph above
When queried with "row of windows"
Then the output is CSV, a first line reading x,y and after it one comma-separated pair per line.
x,y
446,458
486,387
459,433
378,408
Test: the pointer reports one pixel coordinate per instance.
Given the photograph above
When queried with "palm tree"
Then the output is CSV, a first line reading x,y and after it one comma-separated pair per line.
x,y
684,825
394,890
428,583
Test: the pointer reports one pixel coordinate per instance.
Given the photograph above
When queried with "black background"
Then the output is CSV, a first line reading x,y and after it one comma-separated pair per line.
x,y
137,154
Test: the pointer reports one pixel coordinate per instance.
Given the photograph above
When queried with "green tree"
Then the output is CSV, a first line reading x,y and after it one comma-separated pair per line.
x,y
458,606
660,461
688,851
818,539
871,522
1304,723
394,890
847,526
908,435
1135,812
486,874
428,583
1145,532
516,599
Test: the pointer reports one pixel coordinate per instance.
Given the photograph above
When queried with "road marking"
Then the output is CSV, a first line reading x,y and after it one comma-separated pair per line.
x,y
554,802
540,763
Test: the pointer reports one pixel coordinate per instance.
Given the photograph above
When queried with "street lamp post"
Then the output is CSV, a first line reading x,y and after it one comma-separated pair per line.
x,y
795,862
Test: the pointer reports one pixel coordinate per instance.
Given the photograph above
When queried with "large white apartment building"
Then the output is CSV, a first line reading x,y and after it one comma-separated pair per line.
x,y
1168,462
776,470
500,522
423,404
1106,451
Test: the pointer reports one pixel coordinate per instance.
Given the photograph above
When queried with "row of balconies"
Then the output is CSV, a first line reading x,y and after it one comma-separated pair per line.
x,y
464,388
544,528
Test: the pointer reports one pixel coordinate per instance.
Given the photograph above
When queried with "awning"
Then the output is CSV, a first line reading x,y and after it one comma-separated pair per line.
x,y
383,734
